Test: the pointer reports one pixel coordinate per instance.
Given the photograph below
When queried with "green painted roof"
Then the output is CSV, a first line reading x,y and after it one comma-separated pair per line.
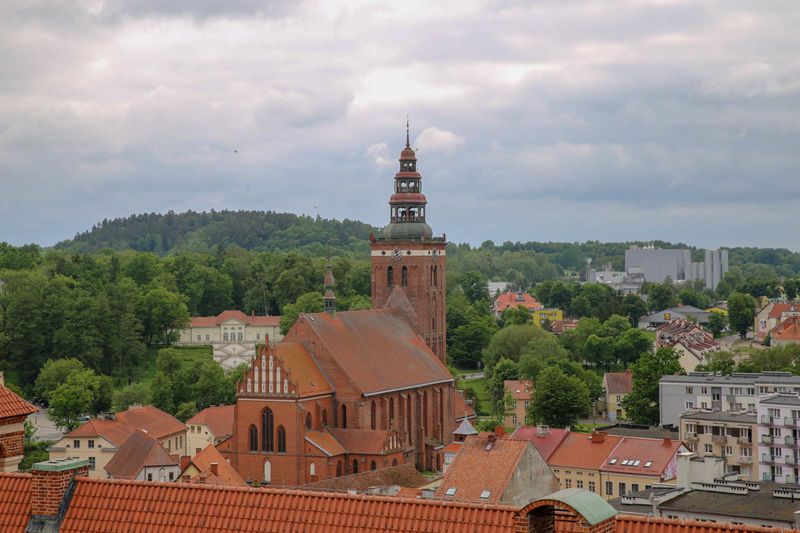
x,y
58,465
590,505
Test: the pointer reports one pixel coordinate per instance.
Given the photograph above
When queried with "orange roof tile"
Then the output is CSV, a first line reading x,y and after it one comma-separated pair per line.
x,y
402,475
305,372
138,507
365,441
580,450
156,422
637,452
460,407
779,308
12,405
513,299
218,419
15,502
454,447
226,475
788,330
647,524
477,469
325,442
546,444
378,349
211,321
619,382
139,451
520,389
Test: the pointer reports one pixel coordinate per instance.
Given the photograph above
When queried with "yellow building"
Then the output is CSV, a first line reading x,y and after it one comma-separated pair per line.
x,y
540,315
211,426
98,440
616,385
521,392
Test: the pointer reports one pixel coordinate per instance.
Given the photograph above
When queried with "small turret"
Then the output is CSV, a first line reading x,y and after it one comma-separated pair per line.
x,y
330,298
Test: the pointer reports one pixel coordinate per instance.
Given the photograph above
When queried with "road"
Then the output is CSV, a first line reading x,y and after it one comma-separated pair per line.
x,y
45,429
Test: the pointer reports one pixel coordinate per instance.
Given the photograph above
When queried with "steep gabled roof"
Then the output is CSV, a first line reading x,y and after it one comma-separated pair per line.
x,y
378,350
15,502
100,506
364,441
788,330
226,475
513,299
218,419
619,382
156,422
211,321
11,405
479,467
642,456
398,299
546,444
325,442
139,451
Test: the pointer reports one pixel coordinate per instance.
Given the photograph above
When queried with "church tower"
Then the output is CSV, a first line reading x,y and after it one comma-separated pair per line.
x,y
408,261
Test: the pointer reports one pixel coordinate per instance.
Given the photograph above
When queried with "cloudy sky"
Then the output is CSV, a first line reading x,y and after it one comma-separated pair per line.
x,y
559,120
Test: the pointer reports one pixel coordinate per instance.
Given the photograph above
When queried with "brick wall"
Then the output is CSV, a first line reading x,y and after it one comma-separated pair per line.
x,y
11,444
48,488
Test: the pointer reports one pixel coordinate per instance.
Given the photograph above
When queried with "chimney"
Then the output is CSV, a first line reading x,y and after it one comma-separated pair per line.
x,y
52,484
667,441
185,460
492,437
542,431
500,431
628,371
2,379
598,437
215,468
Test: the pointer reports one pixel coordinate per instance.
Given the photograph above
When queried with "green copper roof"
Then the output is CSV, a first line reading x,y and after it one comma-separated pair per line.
x,y
59,465
591,506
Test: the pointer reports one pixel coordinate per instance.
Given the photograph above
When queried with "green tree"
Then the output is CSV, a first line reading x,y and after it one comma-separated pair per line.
x,y
660,296
509,343
503,371
641,405
717,322
558,399
475,286
186,410
310,302
54,373
468,340
83,392
162,393
163,315
741,310
131,394
516,316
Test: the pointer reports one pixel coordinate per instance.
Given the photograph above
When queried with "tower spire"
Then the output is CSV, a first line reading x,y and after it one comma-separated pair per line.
x,y
329,300
408,142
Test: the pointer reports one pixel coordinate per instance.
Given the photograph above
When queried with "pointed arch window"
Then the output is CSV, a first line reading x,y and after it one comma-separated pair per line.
x,y
324,417
308,420
344,417
338,468
372,416
391,410
355,466
373,466
281,439
405,277
267,431
390,277
253,438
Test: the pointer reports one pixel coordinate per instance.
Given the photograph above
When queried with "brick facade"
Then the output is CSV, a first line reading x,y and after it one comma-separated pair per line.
x,y
49,486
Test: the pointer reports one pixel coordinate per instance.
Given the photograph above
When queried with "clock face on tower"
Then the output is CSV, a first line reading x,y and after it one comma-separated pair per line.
x,y
396,254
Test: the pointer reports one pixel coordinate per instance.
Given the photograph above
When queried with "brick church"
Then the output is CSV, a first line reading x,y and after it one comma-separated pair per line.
x,y
345,392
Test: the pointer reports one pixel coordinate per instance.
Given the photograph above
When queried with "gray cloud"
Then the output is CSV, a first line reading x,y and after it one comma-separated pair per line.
x,y
615,120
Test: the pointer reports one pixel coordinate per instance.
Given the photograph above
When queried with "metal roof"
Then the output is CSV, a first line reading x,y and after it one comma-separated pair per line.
x,y
591,506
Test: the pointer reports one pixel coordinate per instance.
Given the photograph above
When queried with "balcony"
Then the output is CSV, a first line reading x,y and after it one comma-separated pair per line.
x,y
791,422
791,460
745,459
790,440
743,440
767,420
719,439
767,439
767,458
691,436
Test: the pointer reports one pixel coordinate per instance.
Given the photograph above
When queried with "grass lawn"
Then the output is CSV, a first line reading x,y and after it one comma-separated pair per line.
x,y
484,400
146,368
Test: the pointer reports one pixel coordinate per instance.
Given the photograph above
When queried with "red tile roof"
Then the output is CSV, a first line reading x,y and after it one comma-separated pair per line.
x,y
646,524
779,308
619,382
305,372
15,502
547,444
325,442
513,299
638,452
392,476
157,423
11,405
226,475
520,389
378,349
211,321
788,330
460,407
562,325
139,451
364,441
580,450
477,469
218,419
138,507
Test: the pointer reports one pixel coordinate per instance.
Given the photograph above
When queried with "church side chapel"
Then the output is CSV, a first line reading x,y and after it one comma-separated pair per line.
x,y
346,392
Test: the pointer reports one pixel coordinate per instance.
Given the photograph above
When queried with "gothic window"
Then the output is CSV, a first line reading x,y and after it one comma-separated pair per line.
x,y
373,466
267,472
405,277
390,277
394,462
344,417
355,466
372,416
281,440
308,420
338,468
253,438
324,417
312,469
267,436
391,410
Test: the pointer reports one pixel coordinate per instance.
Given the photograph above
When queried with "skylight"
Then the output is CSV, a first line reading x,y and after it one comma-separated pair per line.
x,y
636,462
450,492
485,494
625,462
613,461
648,464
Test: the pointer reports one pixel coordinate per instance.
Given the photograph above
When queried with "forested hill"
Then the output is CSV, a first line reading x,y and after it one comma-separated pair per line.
x,y
166,234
